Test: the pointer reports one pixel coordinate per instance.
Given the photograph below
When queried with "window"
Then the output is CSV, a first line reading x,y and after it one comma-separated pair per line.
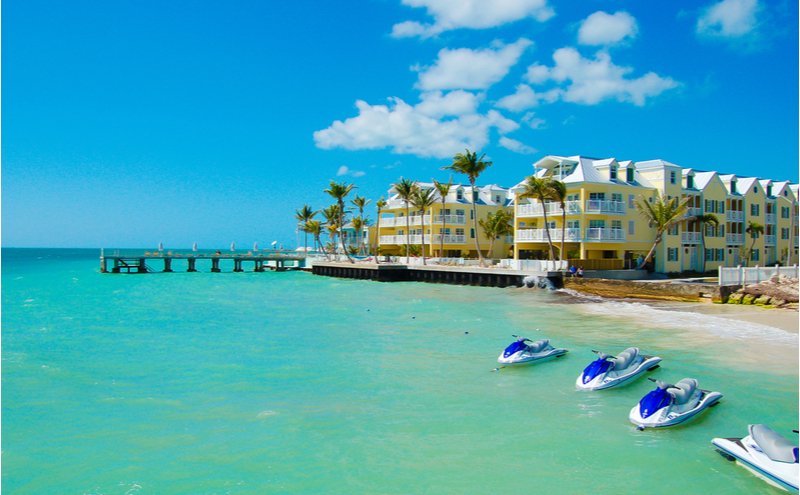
x,y
690,182
613,173
472,233
755,190
754,210
597,224
459,213
459,194
497,198
672,177
733,187
721,231
672,254
784,212
597,196
769,190
672,230
475,196
784,233
631,201
460,232
709,206
630,174
616,197
574,197
754,257
573,224
471,215
631,227
709,255
721,206
521,224
616,224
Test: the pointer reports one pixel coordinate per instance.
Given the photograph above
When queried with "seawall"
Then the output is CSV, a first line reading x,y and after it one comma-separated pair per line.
x,y
665,290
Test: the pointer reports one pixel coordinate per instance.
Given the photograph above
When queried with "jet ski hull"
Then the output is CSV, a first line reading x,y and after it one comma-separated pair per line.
x,y
745,451
669,416
612,378
522,358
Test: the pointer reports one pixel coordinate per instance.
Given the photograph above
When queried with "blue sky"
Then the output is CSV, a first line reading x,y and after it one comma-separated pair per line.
x,y
130,123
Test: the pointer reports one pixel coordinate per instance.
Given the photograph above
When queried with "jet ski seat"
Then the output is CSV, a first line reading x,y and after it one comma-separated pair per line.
x,y
773,444
539,345
683,390
625,358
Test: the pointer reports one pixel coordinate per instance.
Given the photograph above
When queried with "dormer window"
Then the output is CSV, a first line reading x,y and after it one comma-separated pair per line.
x,y
733,187
613,173
475,196
690,182
672,177
630,173
755,190
497,199
769,190
459,194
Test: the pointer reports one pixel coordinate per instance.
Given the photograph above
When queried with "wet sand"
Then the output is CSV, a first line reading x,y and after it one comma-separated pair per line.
x,y
785,319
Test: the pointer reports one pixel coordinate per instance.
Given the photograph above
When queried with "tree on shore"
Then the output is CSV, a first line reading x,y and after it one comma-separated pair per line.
x,y
754,229
360,203
703,220
380,204
314,227
496,225
558,193
662,215
303,215
422,199
540,189
339,191
358,226
405,190
470,165
443,190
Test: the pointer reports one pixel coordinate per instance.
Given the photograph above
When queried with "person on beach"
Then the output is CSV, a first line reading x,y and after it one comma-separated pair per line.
x,y
573,270
580,272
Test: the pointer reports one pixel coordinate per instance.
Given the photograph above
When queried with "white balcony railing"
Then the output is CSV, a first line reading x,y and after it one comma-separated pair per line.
x,y
770,217
449,239
417,239
693,212
601,206
734,216
539,235
450,219
691,237
734,238
769,240
537,210
604,234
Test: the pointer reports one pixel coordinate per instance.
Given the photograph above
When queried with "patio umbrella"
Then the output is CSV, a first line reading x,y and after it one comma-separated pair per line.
x,y
233,247
255,247
160,246
194,246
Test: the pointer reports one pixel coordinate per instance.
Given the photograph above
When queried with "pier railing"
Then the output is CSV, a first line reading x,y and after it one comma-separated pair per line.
x,y
737,275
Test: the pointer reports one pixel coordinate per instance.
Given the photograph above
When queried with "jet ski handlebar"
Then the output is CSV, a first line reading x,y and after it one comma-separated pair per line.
x,y
662,385
603,355
521,339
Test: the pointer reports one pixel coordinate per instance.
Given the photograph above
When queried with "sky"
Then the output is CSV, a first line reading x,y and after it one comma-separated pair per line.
x,y
126,124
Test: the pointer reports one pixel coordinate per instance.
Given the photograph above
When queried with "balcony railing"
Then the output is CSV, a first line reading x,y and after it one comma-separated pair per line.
x,y
604,234
536,209
539,235
734,216
450,219
601,206
449,239
770,217
693,212
691,237
769,240
417,239
734,239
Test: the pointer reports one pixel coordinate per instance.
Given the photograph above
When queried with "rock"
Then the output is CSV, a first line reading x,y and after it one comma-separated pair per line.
x,y
736,298
748,299
762,301
777,303
775,279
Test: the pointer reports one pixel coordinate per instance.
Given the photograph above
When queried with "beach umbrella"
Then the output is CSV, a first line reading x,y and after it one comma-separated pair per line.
x,y
194,246
233,247
160,246
255,247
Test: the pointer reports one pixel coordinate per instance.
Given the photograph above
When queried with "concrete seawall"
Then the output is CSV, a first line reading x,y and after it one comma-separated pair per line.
x,y
665,290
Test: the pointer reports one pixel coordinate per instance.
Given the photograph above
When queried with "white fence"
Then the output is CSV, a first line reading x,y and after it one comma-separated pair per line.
x,y
734,275
535,265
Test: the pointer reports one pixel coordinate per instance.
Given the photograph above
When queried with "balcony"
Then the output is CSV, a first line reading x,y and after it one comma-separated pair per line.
x,y
449,239
604,234
733,239
539,235
691,237
770,217
417,239
413,220
536,209
450,219
769,240
605,207
734,216
693,212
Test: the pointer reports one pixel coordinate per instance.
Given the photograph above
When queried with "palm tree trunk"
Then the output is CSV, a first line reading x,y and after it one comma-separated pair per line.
x,y
341,232
475,221
422,221
305,254
650,254
378,238
563,229
491,249
703,247
408,237
441,238
547,230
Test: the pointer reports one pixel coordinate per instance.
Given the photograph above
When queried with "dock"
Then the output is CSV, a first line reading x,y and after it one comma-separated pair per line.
x,y
148,263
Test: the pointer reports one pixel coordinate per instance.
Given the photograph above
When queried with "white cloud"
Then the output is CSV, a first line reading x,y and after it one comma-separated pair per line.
x,y
525,98
472,14
457,102
592,81
343,170
534,122
406,130
729,19
516,146
606,29
463,68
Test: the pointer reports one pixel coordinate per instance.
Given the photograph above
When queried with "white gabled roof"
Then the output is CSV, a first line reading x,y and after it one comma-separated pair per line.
x,y
703,179
743,184
779,187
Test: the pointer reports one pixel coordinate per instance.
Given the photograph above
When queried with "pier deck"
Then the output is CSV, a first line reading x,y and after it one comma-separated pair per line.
x,y
128,263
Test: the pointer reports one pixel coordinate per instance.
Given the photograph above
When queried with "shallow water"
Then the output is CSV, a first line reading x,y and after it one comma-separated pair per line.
x,y
294,383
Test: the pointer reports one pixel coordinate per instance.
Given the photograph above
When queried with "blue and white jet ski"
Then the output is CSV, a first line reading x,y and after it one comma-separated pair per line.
x,y
670,405
522,353
609,371
765,453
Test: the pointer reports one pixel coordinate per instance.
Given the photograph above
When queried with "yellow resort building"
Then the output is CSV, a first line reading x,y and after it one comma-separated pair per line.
x,y
452,223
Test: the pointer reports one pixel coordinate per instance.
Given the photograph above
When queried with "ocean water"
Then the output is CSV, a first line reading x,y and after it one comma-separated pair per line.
x,y
273,383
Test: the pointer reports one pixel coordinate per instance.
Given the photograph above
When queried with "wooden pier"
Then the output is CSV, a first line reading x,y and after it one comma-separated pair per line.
x,y
144,263
457,275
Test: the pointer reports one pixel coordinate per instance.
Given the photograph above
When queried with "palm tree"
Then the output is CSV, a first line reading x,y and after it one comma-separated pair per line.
x,y
330,213
358,226
303,215
360,203
662,215
339,191
443,190
422,200
703,220
558,193
539,188
314,227
333,232
405,189
496,225
470,165
380,204
754,229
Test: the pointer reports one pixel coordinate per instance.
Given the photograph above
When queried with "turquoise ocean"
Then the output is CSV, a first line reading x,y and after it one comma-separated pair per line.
x,y
290,383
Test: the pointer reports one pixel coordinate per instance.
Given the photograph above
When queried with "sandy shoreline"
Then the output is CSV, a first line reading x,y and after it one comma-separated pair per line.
x,y
785,319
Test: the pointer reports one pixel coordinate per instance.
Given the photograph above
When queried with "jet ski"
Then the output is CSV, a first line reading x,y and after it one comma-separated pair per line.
x,y
520,352
765,453
609,371
670,405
